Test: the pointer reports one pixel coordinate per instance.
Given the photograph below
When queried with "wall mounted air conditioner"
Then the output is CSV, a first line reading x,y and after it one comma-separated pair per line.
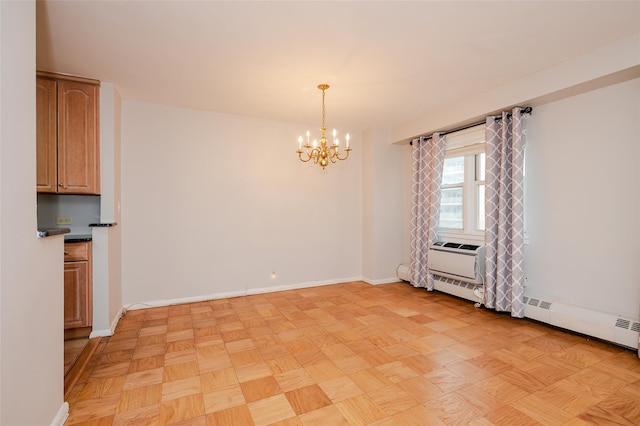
x,y
463,262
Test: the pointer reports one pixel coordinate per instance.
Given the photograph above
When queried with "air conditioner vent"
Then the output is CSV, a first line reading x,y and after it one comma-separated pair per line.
x,y
533,302
526,300
545,304
622,323
469,247
635,327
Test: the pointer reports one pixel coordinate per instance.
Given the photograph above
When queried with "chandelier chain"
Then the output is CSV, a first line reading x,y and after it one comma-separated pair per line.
x,y
323,110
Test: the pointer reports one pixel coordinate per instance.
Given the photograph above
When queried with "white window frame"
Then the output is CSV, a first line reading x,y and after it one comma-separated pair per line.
x,y
467,143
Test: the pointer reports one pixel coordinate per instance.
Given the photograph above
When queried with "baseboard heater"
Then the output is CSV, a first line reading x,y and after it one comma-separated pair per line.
x,y
459,271
619,329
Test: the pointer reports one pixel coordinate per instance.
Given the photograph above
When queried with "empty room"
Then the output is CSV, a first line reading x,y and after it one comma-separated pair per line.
x,y
319,212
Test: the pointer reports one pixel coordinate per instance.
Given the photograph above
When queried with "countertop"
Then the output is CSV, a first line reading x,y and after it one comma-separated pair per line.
x,y
77,238
68,236
49,232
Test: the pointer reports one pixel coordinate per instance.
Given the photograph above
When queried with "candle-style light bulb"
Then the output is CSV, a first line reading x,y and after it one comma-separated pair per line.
x,y
347,140
308,133
315,143
299,143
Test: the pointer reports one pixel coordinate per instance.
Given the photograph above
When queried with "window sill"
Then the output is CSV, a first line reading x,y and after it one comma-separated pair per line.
x,y
462,238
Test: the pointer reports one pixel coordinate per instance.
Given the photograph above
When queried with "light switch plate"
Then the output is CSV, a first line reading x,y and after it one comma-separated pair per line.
x,y
63,220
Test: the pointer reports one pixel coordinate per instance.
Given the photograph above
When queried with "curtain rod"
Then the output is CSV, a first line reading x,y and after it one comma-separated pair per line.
x,y
525,110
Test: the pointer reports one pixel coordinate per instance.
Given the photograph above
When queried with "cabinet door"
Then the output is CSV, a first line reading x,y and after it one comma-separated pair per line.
x,y
78,153
46,156
77,311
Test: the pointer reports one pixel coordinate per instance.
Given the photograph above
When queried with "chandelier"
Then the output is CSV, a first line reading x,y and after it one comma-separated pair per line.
x,y
321,153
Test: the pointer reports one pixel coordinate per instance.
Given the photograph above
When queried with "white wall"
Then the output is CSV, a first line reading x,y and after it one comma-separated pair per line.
x,y
115,233
383,196
31,280
594,69
212,203
583,200
107,247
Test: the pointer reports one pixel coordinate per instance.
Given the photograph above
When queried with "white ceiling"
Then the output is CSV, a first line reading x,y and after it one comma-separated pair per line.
x,y
387,62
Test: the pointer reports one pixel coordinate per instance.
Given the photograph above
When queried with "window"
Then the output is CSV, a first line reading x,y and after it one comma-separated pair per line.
x,y
463,186
451,201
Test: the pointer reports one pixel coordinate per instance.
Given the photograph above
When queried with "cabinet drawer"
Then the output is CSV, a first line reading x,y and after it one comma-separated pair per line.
x,y
76,251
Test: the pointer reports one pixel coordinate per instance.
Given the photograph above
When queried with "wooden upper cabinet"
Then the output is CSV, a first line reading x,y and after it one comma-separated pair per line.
x,y
46,136
77,138
67,145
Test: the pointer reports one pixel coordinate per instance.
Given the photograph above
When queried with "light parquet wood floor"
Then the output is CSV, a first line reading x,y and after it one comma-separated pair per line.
x,y
350,354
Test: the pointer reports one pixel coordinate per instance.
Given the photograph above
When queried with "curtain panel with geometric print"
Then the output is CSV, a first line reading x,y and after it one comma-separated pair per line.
x,y
427,166
504,210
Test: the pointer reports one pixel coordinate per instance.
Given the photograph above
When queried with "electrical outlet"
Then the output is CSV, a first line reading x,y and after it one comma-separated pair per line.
x,y
63,220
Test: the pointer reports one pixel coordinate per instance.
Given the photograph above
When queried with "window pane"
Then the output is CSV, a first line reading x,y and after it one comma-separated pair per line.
x,y
480,167
480,208
451,208
453,171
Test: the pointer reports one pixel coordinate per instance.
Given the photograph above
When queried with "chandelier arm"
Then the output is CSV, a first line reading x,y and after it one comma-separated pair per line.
x,y
301,159
315,155
332,153
346,156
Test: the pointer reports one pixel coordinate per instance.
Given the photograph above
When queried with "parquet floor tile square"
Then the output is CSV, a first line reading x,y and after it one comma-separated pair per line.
x,y
218,379
328,415
257,389
340,388
350,354
308,398
180,409
181,388
239,415
271,410
223,398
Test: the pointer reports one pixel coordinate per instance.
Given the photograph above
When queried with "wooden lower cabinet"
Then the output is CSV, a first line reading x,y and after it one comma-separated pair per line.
x,y
77,289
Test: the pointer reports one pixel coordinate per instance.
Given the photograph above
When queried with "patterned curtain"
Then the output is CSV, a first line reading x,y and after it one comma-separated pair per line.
x,y
427,165
504,233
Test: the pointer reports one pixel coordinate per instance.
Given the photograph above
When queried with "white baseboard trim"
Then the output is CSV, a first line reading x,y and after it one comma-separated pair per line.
x,y
100,333
62,415
382,281
229,294
112,329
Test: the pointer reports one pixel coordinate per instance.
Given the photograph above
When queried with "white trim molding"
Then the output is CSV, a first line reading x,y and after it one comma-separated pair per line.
x,y
246,292
62,415
391,280
112,329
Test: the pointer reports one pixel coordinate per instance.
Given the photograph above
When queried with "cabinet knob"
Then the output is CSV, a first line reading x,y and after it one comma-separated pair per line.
x,y
60,184
66,252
